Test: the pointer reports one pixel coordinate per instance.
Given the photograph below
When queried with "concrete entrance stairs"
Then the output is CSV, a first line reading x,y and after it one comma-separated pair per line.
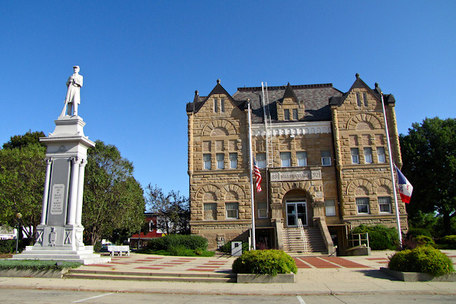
x,y
305,240
150,276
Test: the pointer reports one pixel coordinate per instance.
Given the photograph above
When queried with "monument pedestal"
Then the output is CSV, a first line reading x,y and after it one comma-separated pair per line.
x,y
59,236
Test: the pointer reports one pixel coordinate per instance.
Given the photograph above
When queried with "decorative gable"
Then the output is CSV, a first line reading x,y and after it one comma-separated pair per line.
x,y
289,108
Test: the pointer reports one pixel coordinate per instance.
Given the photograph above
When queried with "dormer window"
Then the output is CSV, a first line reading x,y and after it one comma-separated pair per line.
x,y
222,105
215,105
295,114
286,114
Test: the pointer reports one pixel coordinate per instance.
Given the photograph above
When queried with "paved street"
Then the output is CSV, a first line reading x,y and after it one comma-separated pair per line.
x,y
319,280
51,297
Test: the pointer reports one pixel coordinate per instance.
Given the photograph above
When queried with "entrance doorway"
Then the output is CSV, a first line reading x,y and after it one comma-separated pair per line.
x,y
295,211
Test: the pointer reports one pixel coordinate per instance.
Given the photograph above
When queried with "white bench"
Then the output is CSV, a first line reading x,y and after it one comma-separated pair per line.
x,y
119,250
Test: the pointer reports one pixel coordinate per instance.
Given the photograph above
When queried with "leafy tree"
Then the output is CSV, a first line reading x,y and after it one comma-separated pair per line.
x,y
113,199
20,141
429,157
22,174
172,210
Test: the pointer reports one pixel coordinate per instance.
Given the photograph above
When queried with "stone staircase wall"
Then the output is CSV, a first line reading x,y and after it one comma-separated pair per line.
x,y
304,240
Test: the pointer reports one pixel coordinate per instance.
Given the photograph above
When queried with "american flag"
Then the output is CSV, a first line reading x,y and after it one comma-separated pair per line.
x,y
258,179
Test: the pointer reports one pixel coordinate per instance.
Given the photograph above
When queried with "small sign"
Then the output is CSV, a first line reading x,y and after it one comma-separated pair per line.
x,y
58,195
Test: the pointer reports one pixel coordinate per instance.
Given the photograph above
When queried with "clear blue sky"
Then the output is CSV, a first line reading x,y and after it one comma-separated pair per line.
x,y
143,60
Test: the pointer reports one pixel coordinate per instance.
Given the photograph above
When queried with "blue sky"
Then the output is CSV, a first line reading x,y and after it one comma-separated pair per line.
x,y
143,60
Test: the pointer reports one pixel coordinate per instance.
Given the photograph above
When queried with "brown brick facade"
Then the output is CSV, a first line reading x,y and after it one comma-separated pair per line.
x,y
313,134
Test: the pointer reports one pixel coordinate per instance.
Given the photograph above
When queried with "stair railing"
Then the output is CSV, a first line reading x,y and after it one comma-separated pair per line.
x,y
303,236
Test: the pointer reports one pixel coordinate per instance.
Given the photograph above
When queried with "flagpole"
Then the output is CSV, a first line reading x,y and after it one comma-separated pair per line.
x,y
393,178
252,203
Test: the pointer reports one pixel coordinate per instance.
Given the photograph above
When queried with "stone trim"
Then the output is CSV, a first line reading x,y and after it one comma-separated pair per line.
x,y
293,128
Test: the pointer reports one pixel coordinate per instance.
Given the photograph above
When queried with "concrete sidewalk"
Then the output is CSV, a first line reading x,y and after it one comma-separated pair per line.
x,y
310,281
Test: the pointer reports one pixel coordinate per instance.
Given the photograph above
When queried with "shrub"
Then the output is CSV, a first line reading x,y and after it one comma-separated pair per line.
x,y
265,262
414,232
421,259
178,245
9,246
36,265
97,246
167,242
423,240
380,237
447,242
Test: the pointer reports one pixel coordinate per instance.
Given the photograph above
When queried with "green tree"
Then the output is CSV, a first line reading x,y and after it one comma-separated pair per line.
x,y
22,174
172,210
113,199
429,157
20,141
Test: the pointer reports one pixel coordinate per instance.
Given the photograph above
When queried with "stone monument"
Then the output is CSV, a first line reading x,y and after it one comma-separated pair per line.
x,y
59,235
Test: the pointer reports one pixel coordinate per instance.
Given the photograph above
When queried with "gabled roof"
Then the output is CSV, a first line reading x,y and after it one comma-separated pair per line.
x,y
360,84
289,93
199,101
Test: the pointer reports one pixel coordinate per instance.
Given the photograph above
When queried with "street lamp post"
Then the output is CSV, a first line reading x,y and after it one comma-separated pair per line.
x,y
18,218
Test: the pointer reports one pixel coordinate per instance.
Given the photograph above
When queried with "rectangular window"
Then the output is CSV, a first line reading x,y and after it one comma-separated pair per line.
x,y
368,155
354,155
365,99
220,160
384,204
207,161
222,105
302,158
286,114
325,158
381,155
210,211
262,210
362,204
215,105
233,160
295,114
232,210
285,159
261,160
358,99
330,208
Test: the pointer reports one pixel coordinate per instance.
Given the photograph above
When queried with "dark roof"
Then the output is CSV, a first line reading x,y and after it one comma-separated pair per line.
x,y
314,96
359,83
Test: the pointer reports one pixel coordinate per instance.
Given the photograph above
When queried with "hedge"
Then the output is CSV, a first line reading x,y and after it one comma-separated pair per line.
x,y
36,265
448,241
414,232
168,242
9,246
380,237
270,262
422,259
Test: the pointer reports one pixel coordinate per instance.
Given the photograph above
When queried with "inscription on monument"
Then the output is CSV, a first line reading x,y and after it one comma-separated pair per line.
x,y
58,194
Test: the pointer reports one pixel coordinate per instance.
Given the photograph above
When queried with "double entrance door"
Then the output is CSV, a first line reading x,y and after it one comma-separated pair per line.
x,y
295,211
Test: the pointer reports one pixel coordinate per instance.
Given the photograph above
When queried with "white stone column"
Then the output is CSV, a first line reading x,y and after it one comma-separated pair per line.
x,y
46,191
72,204
80,192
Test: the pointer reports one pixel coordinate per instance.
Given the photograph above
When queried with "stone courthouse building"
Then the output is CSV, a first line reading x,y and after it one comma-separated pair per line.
x,y
323,158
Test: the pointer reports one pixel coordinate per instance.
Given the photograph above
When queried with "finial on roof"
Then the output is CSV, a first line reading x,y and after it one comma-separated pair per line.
x,y
357,75
196,92
376,85
218,81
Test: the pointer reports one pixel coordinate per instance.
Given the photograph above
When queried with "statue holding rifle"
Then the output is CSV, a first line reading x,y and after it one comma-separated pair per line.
x,y
73,96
